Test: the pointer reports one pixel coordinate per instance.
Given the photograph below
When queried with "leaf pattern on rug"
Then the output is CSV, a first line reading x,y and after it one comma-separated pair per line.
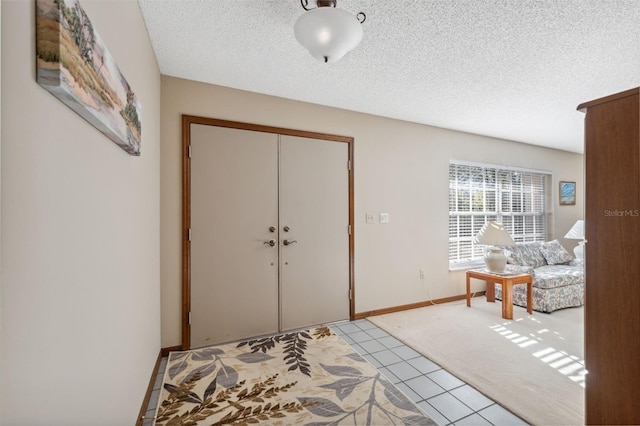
x,y
354,378
305,377
295,346
235,401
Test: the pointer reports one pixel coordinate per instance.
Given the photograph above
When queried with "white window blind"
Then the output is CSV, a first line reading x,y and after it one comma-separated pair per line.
x,y
518,198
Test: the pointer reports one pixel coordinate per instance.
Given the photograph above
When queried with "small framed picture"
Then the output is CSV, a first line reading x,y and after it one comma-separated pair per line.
x,y
567,193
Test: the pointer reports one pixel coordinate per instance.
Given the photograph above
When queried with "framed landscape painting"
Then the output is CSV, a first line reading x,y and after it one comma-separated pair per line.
x,y
567,193
74,65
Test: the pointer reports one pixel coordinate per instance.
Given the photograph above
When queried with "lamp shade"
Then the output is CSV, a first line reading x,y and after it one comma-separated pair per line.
x,y
494,234
577,231
328,33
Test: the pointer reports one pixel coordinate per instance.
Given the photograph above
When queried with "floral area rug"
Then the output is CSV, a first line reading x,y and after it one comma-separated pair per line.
x,y
304,377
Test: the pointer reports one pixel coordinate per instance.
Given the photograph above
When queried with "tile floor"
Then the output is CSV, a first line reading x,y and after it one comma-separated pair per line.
x,y
444,397
155,395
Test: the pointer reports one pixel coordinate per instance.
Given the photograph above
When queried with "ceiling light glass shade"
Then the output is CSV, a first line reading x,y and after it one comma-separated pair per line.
x,y
328,33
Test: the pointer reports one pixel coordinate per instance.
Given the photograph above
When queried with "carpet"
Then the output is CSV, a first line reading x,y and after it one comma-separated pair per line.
x,y
303,377
532,365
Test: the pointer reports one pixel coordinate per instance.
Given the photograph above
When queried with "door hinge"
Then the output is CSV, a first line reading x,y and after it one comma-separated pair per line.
x,y
189,151
350,294
189,318
189,236
349,229
349,165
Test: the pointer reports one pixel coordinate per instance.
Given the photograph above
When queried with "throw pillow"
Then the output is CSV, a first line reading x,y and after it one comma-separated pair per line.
x,y
555,254
526,254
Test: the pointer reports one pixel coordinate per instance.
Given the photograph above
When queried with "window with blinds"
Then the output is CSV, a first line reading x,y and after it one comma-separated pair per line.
x,y
517,198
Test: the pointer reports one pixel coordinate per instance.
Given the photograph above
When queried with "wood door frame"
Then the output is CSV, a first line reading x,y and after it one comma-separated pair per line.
x,y
187,120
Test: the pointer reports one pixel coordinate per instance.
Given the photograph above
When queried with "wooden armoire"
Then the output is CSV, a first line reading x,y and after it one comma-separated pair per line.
x,y
612,258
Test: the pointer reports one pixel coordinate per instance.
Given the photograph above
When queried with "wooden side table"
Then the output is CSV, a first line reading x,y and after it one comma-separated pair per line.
x,y
507,282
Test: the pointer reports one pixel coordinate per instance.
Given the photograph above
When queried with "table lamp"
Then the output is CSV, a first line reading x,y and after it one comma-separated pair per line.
x,y
494,236
577,233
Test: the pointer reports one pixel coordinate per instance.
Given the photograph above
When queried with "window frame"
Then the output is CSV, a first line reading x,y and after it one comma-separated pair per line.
x,y
530,203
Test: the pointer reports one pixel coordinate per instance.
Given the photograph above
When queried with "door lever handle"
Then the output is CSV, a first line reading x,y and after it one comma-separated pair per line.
x,y
288,242
271,243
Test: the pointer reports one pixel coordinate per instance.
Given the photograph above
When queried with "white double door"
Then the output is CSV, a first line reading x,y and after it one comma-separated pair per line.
x,y
269,233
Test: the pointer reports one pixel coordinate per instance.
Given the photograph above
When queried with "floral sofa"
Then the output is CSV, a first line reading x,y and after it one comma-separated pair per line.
x,y
558,278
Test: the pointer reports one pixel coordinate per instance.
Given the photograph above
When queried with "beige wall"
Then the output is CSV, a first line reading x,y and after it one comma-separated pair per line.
x,y
80,237
401,168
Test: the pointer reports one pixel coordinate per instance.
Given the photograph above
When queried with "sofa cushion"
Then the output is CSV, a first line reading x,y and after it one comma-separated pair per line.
x,y
552,276
579,263
518,269
547,299
526,254
554,253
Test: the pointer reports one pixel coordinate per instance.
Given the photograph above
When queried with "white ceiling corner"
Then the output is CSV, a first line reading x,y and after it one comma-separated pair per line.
x,y
511,69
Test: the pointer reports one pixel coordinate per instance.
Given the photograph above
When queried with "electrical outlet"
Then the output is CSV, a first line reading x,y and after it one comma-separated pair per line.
x,y
370,218
421,273
384,217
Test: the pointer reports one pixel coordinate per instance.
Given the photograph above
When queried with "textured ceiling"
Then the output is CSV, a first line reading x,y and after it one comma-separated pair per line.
x,y
512,69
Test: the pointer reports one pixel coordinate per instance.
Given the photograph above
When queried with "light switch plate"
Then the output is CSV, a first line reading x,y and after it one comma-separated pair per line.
x,y
370,218
384,217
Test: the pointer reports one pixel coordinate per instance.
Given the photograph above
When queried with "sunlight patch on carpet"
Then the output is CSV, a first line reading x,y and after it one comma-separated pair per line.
x,y
556,359
494,355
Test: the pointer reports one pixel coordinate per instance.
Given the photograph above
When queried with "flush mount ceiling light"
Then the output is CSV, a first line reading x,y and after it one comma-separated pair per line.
x,y
326,32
